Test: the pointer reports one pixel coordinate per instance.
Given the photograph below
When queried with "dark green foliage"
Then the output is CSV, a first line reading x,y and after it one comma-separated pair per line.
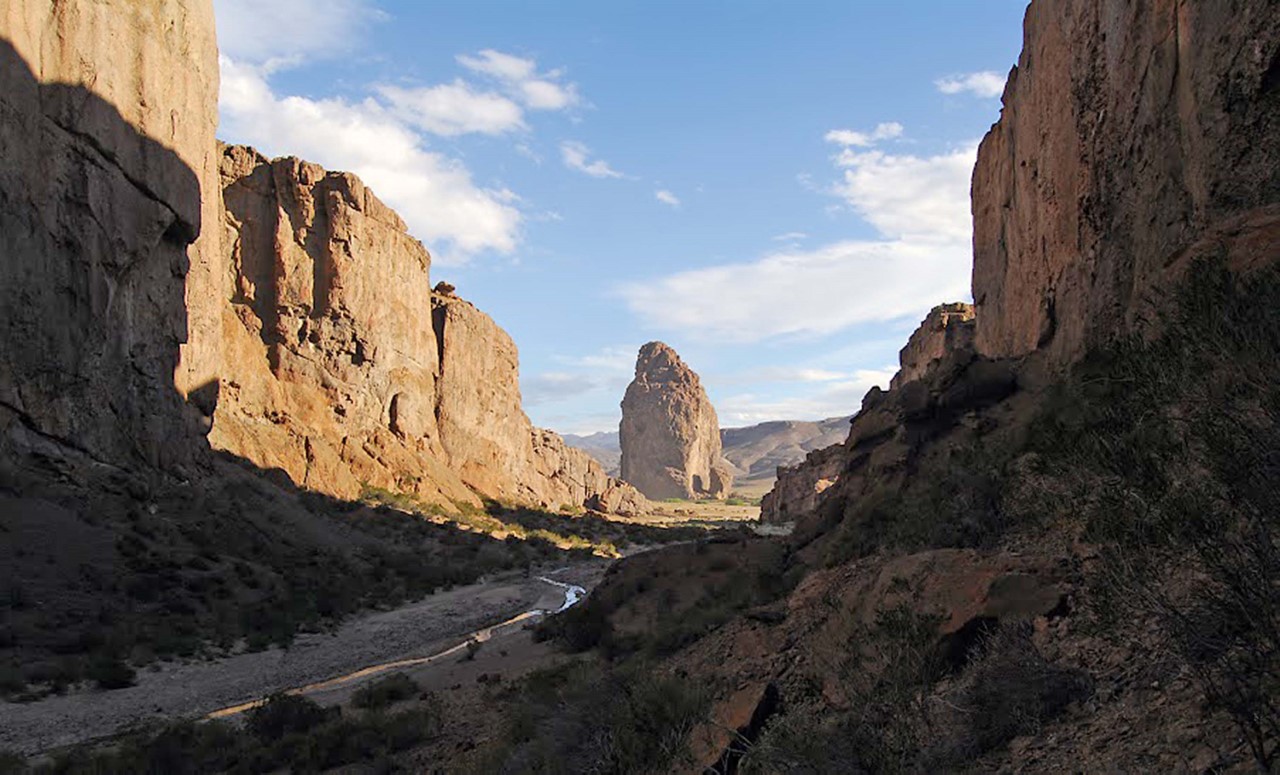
x,y
288,733
1010,690
885,671
386,691
582,717
110,673
1173,448
284,714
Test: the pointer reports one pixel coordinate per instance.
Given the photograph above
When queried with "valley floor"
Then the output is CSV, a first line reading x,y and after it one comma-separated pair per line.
x,y
173,690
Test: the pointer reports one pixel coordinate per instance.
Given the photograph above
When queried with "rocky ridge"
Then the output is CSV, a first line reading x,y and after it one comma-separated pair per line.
x,y
669,434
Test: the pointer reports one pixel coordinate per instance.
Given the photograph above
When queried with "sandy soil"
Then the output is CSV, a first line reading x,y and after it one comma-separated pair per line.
x,y
195,689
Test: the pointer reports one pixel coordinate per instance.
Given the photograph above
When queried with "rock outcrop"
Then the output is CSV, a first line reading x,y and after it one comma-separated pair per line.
x,y
669,434
486,436
939,379
103,192
1134,137
330,359
948,328
344,369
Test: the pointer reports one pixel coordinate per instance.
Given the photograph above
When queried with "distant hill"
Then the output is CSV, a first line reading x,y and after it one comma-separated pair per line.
x,y
755,452
602,446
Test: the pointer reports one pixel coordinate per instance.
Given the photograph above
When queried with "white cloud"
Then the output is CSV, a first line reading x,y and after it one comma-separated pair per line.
x,y
666,197
791,236
577,156
520,76
804,292
832,399
456,108
986,83
433,193
283,32
848,137
920,207
911,197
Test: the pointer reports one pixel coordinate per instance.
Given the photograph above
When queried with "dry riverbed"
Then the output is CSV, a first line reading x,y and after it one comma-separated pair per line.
x,y
195,689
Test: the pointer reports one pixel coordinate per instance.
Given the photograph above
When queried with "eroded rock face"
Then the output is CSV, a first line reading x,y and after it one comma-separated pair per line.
x,y
948,328
102,198
1134,137
486,436
939,379
669,434
330,359
346,370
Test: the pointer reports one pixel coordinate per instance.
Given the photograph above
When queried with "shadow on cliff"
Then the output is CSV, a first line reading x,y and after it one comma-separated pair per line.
x,y
125,537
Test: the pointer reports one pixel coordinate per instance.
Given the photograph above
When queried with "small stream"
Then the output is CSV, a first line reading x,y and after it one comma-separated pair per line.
x,y
572,595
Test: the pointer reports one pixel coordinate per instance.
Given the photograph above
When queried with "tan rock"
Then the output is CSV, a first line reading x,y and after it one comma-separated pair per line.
x,y
670,436
946,329
485,433
330,358
107,117
1133,138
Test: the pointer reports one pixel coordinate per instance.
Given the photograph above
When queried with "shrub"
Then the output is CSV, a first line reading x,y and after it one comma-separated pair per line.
x,y
385,691
110,672
283,714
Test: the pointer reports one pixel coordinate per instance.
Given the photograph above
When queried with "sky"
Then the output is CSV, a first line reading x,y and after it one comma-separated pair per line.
x,y
779,190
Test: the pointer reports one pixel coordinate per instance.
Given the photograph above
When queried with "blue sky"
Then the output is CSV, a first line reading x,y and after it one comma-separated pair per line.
x,y
779,190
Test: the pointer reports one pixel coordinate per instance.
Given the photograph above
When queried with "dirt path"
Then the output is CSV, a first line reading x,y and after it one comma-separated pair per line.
x,y
419,631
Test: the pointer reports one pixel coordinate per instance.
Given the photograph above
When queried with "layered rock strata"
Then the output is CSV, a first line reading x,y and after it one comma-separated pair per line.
x,y
669,434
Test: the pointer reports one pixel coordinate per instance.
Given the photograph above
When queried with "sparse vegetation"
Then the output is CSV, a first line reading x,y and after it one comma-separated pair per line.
x,y
287,733
584,717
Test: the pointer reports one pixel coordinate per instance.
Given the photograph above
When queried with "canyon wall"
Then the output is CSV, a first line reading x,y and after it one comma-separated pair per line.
x,y
669,434
1133,140
329,358
107,120
158,288
345,370
1134,137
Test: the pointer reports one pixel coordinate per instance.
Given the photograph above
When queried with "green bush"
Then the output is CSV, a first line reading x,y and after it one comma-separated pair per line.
x,y
110,672
386,691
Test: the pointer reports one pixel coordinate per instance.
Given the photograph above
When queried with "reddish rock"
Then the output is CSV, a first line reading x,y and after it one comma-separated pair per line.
x,y
1133,138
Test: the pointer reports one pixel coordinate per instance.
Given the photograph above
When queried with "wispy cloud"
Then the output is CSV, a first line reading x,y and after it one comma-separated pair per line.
x,y
666,197
577,156
284,32
848,137
456,108
384,136
986,84
520,77
918,204
434,194
791,236
829,399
